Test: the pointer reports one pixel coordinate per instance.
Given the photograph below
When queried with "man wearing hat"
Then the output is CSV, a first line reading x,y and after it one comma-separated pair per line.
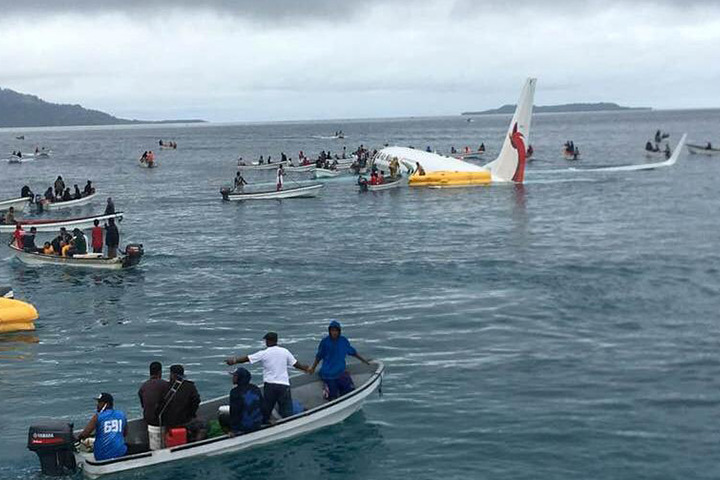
x,y
110,428
332,352
245,404
275,361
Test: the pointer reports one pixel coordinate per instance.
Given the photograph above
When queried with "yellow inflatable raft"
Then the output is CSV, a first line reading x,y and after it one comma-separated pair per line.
x,y
16,316
450,179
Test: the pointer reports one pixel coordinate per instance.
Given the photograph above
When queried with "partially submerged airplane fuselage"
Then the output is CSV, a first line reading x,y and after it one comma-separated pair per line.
x,y
430,169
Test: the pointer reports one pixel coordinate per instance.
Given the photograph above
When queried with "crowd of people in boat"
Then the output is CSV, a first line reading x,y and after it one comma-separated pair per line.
x,y
70,245
38,151
465,151
170,407
571,150
170,144
148,157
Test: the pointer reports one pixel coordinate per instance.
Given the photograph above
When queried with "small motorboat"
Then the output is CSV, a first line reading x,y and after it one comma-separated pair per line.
x,y
50,206
54,225
15,160
132,256
263,166
148,164
326,173
302,191
17,203
389,184
53,441
702,150
301,168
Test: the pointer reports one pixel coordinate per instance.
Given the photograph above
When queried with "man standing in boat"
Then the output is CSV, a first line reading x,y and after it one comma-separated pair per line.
x,y
332,352
275,361
151,394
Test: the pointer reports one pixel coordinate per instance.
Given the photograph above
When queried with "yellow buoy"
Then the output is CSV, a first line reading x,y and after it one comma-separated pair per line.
x,y
450,179
16,316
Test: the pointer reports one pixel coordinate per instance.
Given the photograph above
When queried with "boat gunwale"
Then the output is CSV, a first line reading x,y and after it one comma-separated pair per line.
x,y
379,370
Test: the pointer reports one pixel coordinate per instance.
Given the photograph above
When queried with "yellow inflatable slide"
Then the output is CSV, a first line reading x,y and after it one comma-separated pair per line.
x,y
16,316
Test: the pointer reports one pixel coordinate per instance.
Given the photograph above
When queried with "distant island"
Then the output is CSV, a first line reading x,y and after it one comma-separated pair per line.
x,y
568,107
21,110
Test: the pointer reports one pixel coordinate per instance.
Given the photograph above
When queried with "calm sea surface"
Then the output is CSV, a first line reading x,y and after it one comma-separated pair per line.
x,y
567,328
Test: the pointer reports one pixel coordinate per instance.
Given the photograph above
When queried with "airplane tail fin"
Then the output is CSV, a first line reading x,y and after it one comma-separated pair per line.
x,y
509,166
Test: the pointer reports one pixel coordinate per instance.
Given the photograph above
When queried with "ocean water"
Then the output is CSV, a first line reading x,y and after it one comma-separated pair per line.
x,y
566,328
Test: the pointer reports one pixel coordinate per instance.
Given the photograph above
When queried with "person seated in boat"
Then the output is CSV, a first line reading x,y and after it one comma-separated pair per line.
x,y
9,217
48,249
89,189
240,161
78,244
269,159
261,161
29,241
428,149
26,192
180,404
667,151
332,351
453,150
49,195
150,157
151,394
61,240
419,169
275,361
708,146
37,150
481,148
18,236
110,427
78,194
246,401
649,146
381,177
373,178
143,157
467,149
283,157
66,196
239,183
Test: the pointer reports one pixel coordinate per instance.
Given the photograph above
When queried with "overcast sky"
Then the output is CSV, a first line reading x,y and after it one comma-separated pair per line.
x,y
248,60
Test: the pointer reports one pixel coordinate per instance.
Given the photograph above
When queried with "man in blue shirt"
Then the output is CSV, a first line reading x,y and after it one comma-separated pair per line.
x,y
110,428
332,352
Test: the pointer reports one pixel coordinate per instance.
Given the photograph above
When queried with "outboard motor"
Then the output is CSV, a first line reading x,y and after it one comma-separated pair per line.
x,y
54,444
133,254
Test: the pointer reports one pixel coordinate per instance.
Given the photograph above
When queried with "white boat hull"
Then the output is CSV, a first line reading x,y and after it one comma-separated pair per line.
x,y
324,173
17,203
264,166
299,192
699,150
83,223
301,168
384,186
148,165
70,203
39,260
323,415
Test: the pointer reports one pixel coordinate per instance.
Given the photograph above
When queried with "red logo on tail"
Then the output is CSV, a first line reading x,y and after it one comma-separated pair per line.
x,y
518,143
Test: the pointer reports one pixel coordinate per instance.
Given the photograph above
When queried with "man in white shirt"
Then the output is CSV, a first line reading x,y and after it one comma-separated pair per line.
x,y
275,361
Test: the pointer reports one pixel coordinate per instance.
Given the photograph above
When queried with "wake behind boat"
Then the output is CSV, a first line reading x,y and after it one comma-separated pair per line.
x,y
83,223
53,441
301,191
